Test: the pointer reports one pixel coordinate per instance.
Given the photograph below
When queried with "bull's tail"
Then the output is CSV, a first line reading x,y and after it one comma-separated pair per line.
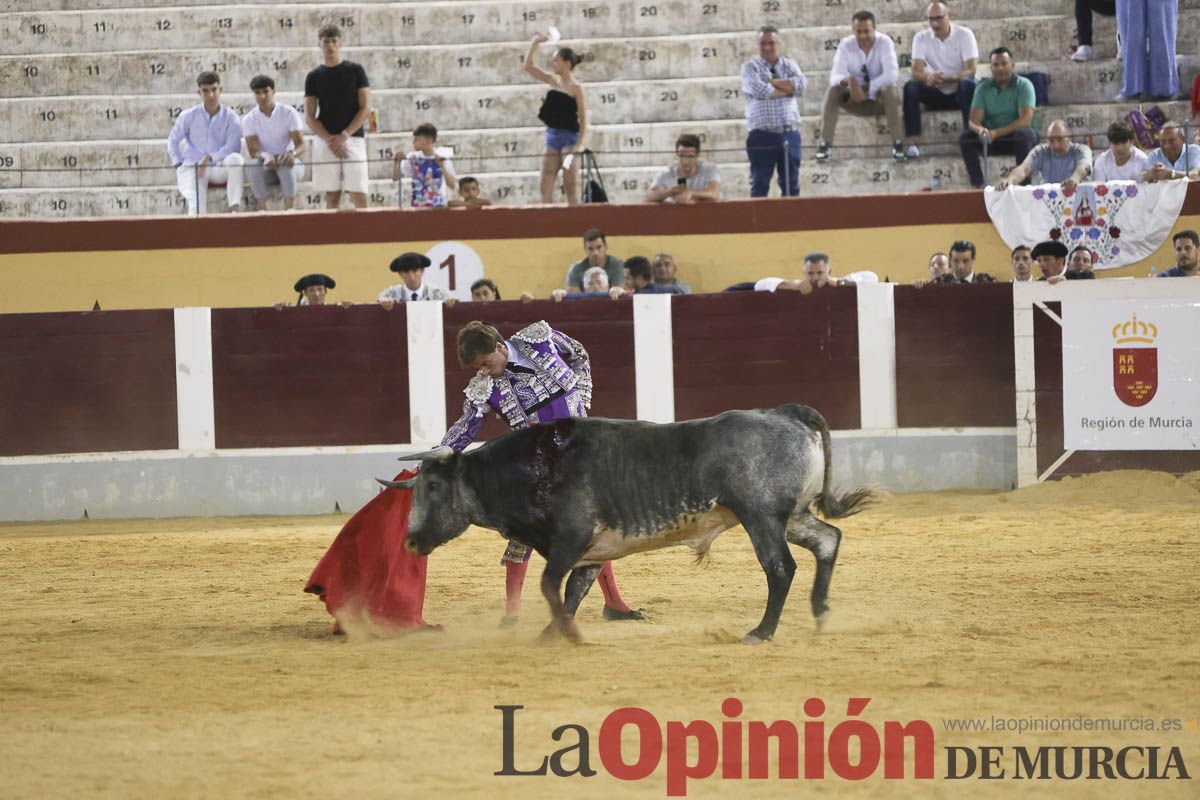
x,y
829,504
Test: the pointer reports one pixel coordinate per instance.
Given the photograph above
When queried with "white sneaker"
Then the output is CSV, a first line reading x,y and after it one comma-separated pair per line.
x,y
1082,53
913,151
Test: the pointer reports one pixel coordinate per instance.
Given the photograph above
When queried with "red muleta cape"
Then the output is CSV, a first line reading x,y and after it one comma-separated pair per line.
x,y
367,577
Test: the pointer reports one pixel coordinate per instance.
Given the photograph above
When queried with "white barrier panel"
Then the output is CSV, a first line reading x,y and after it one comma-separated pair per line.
x,y
1131,374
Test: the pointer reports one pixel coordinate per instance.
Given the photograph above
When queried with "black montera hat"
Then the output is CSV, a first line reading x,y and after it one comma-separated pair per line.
x,y
316,279
1049,248
407,262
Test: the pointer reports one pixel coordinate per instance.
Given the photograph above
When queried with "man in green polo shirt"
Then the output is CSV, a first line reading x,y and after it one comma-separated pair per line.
x,y
1001,115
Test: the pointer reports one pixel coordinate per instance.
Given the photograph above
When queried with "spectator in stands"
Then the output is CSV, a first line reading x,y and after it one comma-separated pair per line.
x,y
429,167
689,180
275,141
205,147
641,278
863,82
595,284
1058,160
1052,261
939,265
564,111
943,72
1187,256
312,290
1148,70
595,245
817,273
484,290
1081,259
1122,161
1172,158
1022,263
1083,24
962,265
771,82
337,101
664,272
1001,116
469,195
411,267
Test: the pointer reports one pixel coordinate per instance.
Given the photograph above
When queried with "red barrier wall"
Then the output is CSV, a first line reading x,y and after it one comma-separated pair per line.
x,y
310,376
87,382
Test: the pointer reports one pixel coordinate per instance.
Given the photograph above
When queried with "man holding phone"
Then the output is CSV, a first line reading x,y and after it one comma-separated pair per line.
x,y
689,180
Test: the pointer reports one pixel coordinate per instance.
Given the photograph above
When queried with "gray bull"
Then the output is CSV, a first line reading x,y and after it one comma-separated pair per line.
x,y
584,491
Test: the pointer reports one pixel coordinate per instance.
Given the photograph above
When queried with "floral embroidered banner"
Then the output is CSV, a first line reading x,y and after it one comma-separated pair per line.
x,y
1121,222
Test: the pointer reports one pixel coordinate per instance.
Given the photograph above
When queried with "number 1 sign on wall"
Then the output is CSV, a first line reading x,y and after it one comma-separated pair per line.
x,y
455,266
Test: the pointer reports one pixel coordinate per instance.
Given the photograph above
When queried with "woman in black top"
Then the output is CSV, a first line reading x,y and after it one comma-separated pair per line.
x,y
565,113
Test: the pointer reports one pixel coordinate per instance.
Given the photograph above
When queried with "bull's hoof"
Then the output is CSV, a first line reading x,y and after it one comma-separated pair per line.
x,y
550,633
509,620
612,615
822,619
754,638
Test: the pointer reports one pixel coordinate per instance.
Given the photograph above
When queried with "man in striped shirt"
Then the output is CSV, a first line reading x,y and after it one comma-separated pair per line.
x,y
771,83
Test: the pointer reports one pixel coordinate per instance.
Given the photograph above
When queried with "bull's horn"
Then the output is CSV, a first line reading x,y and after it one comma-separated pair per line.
x,y
408,484
442,453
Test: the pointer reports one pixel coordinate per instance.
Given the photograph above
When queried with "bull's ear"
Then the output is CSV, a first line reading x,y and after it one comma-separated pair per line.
x,y
443,453
408,484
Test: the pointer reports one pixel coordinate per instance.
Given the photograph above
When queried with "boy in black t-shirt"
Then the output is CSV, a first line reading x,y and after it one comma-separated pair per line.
x,y
337,101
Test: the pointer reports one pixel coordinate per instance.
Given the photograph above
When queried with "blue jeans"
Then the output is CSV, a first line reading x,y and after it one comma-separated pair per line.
x,y
1156,21
917,93
770,152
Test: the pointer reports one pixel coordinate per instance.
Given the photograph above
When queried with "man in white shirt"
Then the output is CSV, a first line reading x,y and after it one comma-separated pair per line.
x,y
1121,161
205,147
944,56
863,82
275,140
411,267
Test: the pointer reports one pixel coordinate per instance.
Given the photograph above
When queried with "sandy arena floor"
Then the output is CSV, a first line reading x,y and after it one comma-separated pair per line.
x,y
179,658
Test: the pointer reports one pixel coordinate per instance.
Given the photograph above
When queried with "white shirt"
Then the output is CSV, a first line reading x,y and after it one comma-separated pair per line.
x,y
881,63
949,56
1105,168
274,132
400,293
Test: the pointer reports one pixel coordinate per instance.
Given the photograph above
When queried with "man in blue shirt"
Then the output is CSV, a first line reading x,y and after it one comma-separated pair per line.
x,y
1187,256
205,147
1172,158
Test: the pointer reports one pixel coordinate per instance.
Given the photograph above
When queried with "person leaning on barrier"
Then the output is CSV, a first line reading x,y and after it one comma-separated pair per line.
x,y
312,290
962,265
205,146
771,83
274,136
337,102
1022,264
485,290
595,284
1082,259
689,180
1122,161
641,278
1172,159
863,82
943,72
1001,116
817,273
1058,160
469,195
411,268
1051,257
939,265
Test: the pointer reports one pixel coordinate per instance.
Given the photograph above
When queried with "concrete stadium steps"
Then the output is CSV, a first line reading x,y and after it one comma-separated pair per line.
x,y
49,119
144,162
487,65
107,25
624,185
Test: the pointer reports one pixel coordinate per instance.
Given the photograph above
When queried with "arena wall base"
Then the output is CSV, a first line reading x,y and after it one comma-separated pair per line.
x,y
302,481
